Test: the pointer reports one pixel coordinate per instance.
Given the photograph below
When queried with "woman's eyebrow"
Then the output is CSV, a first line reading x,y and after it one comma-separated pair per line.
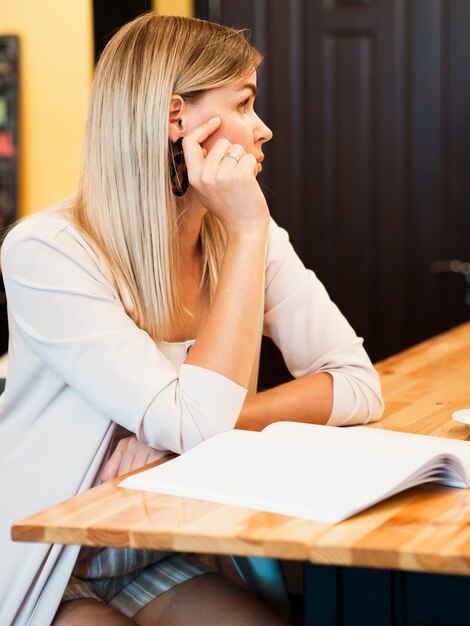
x,y
250,86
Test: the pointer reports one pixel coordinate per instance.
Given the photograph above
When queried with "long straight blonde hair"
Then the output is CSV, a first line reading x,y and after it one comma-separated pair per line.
x,y
125,206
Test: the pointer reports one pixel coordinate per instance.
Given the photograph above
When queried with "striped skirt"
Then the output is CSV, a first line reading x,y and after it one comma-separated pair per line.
x,y
128,579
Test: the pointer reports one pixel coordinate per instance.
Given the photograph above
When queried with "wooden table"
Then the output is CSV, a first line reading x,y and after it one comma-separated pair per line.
x,y
425,529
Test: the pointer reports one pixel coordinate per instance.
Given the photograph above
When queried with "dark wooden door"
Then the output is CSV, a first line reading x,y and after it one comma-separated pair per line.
x,y
369,171
369,168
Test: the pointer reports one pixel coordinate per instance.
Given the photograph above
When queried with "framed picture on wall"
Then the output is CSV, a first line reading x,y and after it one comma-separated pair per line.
x,y
9,96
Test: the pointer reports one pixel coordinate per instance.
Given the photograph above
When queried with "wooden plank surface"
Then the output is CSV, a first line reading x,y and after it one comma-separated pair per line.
x,y
424,529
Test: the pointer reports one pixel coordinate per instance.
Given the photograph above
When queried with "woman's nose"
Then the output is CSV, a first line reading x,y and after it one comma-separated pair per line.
x,y
264,133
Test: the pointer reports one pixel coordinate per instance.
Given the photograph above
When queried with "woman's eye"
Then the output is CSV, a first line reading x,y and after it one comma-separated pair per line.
x,y
242,106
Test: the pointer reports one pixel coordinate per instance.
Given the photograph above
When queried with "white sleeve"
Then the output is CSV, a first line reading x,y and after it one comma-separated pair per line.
x,y
69,316
314,336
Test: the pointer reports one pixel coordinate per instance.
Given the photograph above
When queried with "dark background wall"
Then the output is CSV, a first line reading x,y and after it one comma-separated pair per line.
x,y
110,15
369,101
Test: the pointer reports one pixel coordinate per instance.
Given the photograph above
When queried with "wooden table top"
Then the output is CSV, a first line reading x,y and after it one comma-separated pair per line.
x,y
424,529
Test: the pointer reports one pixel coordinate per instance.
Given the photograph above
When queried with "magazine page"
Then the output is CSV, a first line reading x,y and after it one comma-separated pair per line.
x,y
322,478
456,453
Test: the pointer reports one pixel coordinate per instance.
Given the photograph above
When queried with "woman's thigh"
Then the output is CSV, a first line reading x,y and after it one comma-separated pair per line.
x,y
89,612
205,600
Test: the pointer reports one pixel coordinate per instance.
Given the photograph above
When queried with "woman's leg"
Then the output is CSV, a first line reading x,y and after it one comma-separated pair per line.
x,y
89,612
205,600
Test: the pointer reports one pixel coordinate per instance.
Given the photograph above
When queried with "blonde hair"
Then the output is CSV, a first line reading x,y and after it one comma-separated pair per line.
x,y
125,206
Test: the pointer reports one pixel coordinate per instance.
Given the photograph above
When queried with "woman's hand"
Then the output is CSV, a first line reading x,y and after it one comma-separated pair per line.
x,y
226,185
130,454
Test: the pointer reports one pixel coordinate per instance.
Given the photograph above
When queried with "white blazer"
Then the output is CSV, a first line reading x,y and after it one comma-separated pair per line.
x,y
78,365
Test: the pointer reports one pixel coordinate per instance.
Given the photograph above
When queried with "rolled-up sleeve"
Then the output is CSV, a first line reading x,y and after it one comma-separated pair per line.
x,y
69,316
314,336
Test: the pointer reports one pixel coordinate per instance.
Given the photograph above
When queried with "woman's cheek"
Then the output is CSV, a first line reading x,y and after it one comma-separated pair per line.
x,y
234,135
220,132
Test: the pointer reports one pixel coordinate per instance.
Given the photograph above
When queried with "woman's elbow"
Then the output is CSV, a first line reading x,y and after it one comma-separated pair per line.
x,y
376,408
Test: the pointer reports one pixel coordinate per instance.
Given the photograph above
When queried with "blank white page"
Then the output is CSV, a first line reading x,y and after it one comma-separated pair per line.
x,y
362,437
321,476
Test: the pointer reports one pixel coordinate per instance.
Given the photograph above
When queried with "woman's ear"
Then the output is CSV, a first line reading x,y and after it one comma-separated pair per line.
x,y
175,121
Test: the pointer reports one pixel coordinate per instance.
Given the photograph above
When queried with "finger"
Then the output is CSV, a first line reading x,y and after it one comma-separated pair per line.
x,y
193,151
155,455
246,163
111,469
233,155
127,463
136,456
216,154
142,457
249,163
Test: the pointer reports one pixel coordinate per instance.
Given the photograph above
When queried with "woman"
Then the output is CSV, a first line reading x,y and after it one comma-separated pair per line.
x,y
141,302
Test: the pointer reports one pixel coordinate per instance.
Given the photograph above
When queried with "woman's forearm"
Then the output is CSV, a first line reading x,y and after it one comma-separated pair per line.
x,y
308,399
227,341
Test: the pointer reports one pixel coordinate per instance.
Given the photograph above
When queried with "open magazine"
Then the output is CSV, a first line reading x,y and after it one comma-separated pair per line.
x,y
315,472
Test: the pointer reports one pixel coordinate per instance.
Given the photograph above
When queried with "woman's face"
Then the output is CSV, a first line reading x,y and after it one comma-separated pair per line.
x,y
239,122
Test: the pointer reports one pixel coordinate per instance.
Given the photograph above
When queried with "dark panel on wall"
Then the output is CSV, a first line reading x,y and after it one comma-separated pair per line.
x,y
348,182
9,154
369,101
390,304
9,130
456,155
201,9
423,173
110,15
350,93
